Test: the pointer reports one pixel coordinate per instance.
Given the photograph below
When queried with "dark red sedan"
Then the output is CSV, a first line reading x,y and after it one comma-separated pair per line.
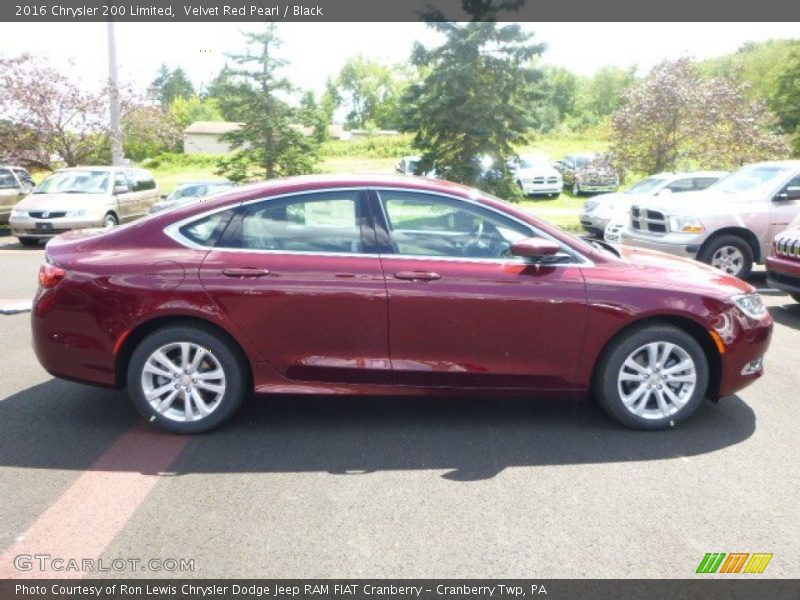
x,y
386,285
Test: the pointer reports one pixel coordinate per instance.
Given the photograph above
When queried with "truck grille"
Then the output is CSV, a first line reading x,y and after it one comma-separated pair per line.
x,y
648,220
788,246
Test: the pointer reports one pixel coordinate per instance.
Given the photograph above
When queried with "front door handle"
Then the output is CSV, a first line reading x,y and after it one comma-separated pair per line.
x,y
417,275
245,272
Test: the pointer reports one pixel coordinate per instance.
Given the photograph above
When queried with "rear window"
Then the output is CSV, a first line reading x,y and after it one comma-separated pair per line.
x,y
206,231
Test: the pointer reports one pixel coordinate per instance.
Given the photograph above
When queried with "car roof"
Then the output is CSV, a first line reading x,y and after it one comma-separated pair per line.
x,y
207,182
2,166
680,174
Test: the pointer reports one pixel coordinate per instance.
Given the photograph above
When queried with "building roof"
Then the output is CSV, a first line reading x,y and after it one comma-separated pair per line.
x,y
212,127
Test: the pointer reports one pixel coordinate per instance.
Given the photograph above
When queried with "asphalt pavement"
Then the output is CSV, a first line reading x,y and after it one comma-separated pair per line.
x,y
393,487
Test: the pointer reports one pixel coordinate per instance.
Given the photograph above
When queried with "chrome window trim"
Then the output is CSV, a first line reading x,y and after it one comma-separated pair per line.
x,y
173,231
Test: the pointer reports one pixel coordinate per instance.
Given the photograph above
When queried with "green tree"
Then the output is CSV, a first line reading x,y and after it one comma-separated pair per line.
x,y
270,139
169,85
475,101
560,88
314,115
601,94
785,102
371,92
185,111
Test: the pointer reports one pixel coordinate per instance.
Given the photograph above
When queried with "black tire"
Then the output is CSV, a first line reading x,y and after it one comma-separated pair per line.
x,y
576,189
718,243
227,357
29,242
606,386
110,220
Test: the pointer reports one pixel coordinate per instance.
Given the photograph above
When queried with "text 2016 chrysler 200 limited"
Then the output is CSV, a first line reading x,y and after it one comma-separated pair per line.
x,y
386,285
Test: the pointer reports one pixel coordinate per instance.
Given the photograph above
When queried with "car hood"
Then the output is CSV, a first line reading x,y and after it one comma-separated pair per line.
x,y
609,202
682,273
61,201
695,203
543,171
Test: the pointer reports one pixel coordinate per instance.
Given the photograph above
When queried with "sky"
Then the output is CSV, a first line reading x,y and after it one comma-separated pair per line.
x,y
317,51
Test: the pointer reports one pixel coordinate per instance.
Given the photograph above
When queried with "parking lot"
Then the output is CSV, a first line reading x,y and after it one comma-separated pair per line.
x,y
379,487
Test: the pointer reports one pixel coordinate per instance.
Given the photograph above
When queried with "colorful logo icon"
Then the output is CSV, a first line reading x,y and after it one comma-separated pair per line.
x,y
735,562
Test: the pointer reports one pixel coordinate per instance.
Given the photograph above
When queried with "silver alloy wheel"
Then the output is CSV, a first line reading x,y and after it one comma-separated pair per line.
x,y
728,259
183,381
657,380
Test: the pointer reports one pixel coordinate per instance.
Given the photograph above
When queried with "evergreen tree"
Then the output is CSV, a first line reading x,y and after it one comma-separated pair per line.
x,y
474,102
270,139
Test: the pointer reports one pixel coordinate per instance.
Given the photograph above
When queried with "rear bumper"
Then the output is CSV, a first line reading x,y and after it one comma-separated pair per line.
x,y
783,274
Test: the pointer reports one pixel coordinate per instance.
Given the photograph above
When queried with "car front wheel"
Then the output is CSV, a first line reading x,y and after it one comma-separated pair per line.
x,y
729,253
186,379
652,377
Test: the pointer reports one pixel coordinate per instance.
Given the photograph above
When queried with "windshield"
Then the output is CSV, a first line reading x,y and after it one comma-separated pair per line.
x,y
752,178
531,162
75,182
582,161
646,186
7,179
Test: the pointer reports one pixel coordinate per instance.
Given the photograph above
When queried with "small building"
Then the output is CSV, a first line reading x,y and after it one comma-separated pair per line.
x,y
203,137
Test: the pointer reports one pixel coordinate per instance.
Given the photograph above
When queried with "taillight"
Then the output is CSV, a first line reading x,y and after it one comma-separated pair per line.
x,y
50,275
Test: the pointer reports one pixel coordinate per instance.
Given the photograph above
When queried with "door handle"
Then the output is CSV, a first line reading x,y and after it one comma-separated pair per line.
x,y
245,272
417,275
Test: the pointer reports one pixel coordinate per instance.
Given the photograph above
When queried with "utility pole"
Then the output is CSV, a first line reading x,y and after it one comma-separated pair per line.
x,y
113,98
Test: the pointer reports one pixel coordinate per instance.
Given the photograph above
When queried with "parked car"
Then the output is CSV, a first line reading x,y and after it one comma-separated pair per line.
x,y
601,210
783,266
535,174
385,285
587,174
82,197
15,184
408,166
730,225
186,193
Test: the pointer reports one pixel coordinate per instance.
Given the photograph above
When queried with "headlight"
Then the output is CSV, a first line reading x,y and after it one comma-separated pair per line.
x,y
15,212
77,213
751,305
686,225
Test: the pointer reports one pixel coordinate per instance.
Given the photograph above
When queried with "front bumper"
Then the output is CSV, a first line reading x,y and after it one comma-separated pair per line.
x,y
529,187
594,223
784,274
29,227
675,244
598,188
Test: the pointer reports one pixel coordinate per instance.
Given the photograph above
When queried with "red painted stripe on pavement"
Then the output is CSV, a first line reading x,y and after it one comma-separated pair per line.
x,y
87,517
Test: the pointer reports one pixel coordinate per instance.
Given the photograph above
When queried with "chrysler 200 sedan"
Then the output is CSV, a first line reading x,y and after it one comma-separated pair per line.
x,y
386,285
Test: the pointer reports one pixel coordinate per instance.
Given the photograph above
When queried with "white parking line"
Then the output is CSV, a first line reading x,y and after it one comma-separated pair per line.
x,y
13,307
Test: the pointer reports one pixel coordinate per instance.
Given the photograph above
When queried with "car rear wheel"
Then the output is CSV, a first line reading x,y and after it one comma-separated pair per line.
x,y
186,379
29,242
652,377
729,253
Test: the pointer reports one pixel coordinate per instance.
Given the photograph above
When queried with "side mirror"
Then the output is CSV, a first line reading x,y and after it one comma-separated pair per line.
x,y
121,189
534,247
788,193
163,196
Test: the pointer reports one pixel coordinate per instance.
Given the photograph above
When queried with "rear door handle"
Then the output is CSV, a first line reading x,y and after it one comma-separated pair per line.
x,y
245,272
417,275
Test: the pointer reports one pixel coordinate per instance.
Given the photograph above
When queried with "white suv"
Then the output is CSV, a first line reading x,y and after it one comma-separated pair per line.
x,y
730,225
